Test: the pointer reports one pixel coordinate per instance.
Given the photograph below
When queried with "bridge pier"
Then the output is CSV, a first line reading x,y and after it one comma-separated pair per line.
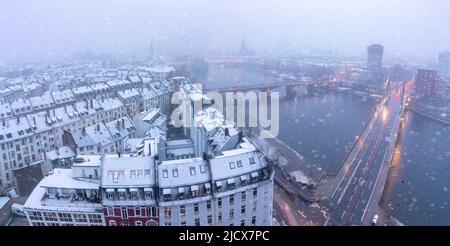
x,y
291,92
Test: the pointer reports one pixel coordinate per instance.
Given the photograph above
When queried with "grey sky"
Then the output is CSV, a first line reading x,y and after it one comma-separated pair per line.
x,y
31,29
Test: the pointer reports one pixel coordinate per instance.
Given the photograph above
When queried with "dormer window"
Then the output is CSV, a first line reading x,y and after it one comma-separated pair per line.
x,y
243,180
219,185
167,194
133,174
192,170
255,176
239,163
148,193
252,160
165,174
133,194
122,194
207,188
181,193
110,194
231,183
175,172
194,190
232,165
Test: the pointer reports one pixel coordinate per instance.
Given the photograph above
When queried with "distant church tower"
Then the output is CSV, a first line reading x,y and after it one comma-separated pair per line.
x,y
243,49
151,51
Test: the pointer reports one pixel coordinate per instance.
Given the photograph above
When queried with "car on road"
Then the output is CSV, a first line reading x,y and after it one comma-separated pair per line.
x,y
374,220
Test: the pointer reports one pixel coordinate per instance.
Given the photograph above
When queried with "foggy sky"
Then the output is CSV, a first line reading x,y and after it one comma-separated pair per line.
x,y
40,29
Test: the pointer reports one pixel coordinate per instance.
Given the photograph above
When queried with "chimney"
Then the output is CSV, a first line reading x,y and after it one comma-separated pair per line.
x,y
92,103
46,118
54,113
34,120
98,127
227,133
65,109
123,123
83,131
87,103
18,120
4,123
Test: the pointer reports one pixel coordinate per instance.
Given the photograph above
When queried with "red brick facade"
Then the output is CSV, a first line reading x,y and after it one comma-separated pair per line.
x,y
126,215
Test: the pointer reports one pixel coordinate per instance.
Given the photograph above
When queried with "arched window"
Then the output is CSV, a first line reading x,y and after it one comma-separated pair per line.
x,y
151,223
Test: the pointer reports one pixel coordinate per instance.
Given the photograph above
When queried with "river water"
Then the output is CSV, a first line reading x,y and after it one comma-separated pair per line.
x,y
419,185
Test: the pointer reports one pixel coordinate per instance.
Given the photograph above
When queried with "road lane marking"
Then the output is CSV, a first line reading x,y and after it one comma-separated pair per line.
x,y
376,181
348,183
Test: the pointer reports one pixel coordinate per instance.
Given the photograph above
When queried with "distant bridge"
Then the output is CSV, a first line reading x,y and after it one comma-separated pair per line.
x,y
291,87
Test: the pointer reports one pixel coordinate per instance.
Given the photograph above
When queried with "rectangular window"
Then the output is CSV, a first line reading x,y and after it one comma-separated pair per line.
x,y
137,211
202,169
175,172
110,211
254,205
252,160
208,205
192,170
182,210
149,211
148,195
165,173
209,219
231,213
255,191
124,213
197,222
242,222
219,202
110,195
243,209
195,207
231,199
167,211
232,165
219,217
239,163
243,196
254,220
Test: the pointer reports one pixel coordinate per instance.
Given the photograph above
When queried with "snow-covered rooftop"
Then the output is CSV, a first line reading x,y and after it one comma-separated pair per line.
x,y
226,165
128,171
182,172
62,178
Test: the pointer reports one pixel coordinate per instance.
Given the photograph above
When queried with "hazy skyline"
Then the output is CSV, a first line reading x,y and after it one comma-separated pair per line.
x,y
35,30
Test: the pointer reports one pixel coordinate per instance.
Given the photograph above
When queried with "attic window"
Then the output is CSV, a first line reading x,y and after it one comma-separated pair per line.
x,y
192,170
239,163
232,165
252,160
165,174
175,172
